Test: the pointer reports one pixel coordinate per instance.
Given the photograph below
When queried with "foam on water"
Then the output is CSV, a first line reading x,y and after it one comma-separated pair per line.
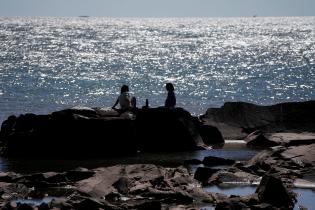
x,y
53,63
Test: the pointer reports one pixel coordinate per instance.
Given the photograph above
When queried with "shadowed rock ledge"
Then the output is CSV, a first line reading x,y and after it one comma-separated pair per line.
x,y
87,132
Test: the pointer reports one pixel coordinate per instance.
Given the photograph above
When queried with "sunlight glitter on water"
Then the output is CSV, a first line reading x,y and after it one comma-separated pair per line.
x,y
210,61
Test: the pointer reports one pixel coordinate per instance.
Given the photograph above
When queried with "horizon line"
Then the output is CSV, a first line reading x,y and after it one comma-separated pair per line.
x,y
99,16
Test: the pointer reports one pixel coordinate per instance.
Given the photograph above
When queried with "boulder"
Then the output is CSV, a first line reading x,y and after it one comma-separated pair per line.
x,y
164,129
210,134
203,174
271,190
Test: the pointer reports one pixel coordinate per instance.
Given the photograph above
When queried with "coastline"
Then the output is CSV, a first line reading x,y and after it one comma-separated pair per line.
x,y
281,164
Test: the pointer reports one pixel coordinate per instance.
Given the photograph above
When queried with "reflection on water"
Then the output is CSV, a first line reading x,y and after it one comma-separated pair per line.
x,y
51,63
36,201
305,198
236,151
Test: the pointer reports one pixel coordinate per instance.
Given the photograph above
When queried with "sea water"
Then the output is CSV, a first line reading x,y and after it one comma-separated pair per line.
x,y
50,63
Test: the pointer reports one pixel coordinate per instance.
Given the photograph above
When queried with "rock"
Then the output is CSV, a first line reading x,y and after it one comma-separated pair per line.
x,y
192,162
203,174
122,185
236,119
89,203
228,205
271,190
210,134
91,132
164,129
215,161
233,175
144,205
78,174
292,139
25,206
258,139
131,185
12,191
48,179
170,196
43,206
290,163
71,132
8,176
303,156
263,206
9,205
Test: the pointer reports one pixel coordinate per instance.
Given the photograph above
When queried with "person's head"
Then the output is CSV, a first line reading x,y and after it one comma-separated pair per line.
x,y
169,87
124,89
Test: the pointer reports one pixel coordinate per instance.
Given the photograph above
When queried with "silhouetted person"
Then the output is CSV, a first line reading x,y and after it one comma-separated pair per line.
x,y
124,99
170,101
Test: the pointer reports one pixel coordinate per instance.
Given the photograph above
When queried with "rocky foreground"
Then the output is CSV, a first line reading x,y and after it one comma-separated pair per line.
x,y
154,187
284,131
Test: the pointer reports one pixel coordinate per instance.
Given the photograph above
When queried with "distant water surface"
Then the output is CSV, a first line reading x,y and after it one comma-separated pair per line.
x,y
53,63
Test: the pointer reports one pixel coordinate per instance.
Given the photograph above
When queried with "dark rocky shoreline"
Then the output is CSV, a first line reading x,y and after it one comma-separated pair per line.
x,y
284,131
88,132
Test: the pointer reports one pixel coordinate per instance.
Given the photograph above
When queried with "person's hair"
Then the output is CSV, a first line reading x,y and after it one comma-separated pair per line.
x,y
124,89
169,87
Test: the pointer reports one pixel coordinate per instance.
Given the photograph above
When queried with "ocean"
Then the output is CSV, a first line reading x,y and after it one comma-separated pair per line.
x,y
52,63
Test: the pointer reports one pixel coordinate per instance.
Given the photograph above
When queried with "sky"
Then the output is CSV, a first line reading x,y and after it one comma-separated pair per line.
x,y
158,8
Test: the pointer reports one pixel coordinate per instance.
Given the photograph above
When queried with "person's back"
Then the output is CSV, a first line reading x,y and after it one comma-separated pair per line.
x,y
123,99
170,101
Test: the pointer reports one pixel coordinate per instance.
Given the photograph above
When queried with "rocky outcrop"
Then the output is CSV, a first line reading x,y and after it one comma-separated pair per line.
x,y
71,132
237,119
260,139
87,132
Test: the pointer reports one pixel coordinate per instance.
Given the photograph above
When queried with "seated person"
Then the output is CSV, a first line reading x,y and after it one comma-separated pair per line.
x,y
125,101
170,101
